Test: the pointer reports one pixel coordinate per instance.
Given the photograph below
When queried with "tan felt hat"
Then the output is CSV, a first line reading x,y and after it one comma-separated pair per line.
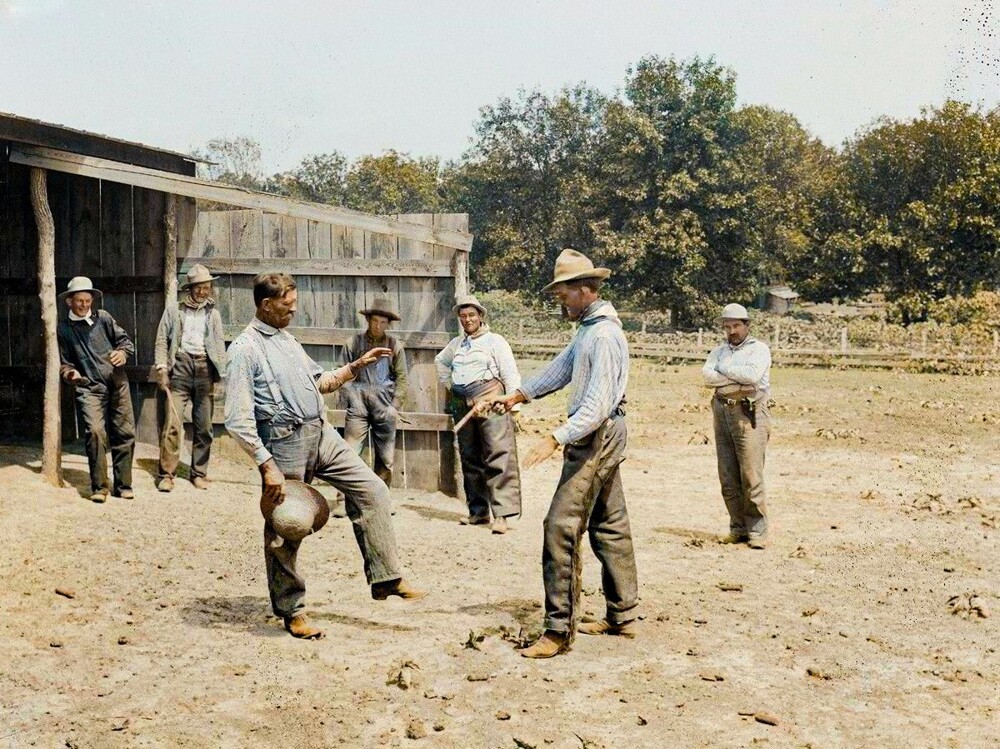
x,y
198,274
468,301
572,266
302,511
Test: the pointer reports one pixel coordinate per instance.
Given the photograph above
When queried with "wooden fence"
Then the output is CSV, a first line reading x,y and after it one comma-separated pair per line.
x,y
340,270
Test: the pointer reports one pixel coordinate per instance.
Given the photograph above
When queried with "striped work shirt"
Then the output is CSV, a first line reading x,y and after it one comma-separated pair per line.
x,y
596,363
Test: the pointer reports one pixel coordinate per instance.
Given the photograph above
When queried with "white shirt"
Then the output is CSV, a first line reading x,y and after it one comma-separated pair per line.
x,y
76,318
747,365
194,329
486,357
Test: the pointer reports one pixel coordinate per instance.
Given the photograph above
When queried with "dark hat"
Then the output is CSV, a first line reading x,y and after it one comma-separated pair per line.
x,y
381,306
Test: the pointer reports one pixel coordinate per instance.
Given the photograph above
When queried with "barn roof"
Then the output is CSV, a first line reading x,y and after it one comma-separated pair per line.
x,y
18,129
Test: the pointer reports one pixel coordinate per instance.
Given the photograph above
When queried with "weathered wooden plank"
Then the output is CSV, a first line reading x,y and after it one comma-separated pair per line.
x,y
148,211
187,222
341,336
320,266
229,195
255,236
349,291
117,252
320,243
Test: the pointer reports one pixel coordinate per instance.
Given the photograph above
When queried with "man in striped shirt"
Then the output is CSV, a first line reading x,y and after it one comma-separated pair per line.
x,y
590,495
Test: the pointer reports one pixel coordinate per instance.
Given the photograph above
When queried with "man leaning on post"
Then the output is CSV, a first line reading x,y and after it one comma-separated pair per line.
x,y
190,358
275,412
738,371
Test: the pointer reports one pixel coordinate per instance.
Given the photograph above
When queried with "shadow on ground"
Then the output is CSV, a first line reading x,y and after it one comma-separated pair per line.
x,y
250,614
431,513
523,611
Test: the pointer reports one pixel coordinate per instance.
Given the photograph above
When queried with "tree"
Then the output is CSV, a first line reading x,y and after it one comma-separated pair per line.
x,y
235,161
393,183
527,184
320,179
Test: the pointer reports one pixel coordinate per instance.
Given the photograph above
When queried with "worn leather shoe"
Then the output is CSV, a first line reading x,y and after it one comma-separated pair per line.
x,y
757,542
401,588
735,538
549,644
126,494
299,626
500,526
166,484
101,495
199,482
475,520
604,627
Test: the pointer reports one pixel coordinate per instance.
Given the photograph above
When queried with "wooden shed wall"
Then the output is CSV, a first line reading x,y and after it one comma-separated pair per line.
x,y
110,232
418,276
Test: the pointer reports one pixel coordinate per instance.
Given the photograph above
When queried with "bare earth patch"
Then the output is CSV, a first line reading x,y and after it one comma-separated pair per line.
x,y
872,620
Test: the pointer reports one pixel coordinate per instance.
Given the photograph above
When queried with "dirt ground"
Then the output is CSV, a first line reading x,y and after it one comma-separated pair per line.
x,y
885,502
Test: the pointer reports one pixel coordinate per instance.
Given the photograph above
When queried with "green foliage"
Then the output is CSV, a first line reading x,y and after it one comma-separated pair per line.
x,y
393,183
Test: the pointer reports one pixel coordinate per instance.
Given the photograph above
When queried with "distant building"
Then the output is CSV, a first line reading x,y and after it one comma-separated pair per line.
x,y
779,299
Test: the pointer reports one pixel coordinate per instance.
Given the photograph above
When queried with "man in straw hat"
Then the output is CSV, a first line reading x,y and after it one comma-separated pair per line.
x,y
739,373
93,350
374,398
275,412
475,367
190,358
590,496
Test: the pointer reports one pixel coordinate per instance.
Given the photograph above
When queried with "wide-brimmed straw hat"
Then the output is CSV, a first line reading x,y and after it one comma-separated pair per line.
x,y
573,266
303,511
80,283
733,312
468,301
381,306
198,274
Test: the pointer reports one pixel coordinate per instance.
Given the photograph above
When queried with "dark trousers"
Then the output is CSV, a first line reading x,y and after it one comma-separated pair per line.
x,y
590,498
190,382
315,449
106,414
490,472
370,411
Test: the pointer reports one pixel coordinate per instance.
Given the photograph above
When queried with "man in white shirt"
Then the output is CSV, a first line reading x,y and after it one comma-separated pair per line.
x,y
739,373
190,358
477,366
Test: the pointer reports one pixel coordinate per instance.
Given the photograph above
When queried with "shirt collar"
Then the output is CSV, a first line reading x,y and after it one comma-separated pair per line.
x,y
748,340
263,327
89,319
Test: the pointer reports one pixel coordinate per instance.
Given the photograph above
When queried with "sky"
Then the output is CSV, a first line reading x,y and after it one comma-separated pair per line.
x,y
304,78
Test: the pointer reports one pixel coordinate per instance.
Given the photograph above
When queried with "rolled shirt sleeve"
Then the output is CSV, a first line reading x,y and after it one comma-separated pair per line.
x,y
241,422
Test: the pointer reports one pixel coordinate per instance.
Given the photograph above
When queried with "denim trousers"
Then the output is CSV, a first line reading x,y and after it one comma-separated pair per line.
x,y
370,411
315,449
741,449
108,421
190,382
590,498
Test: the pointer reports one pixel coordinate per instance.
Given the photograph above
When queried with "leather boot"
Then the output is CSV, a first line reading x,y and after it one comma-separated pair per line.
x,y
475,520
381,591
551,643
604,627
199,482
500,526
166,484
735,538
298,626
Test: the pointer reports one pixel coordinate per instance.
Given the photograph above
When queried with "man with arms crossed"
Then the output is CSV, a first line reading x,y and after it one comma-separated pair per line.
x,y
739,373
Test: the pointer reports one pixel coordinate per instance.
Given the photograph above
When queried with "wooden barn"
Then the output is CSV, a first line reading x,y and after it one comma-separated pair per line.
x,y
135,218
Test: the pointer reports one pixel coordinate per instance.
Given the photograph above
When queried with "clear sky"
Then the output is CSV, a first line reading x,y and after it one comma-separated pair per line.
x,y
308,77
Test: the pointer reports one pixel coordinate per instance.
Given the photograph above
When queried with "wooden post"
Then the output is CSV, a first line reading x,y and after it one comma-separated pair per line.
x,y
777,334
700,344
644,325
520,327
461,267
843,340
923,341
51,419
170,250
